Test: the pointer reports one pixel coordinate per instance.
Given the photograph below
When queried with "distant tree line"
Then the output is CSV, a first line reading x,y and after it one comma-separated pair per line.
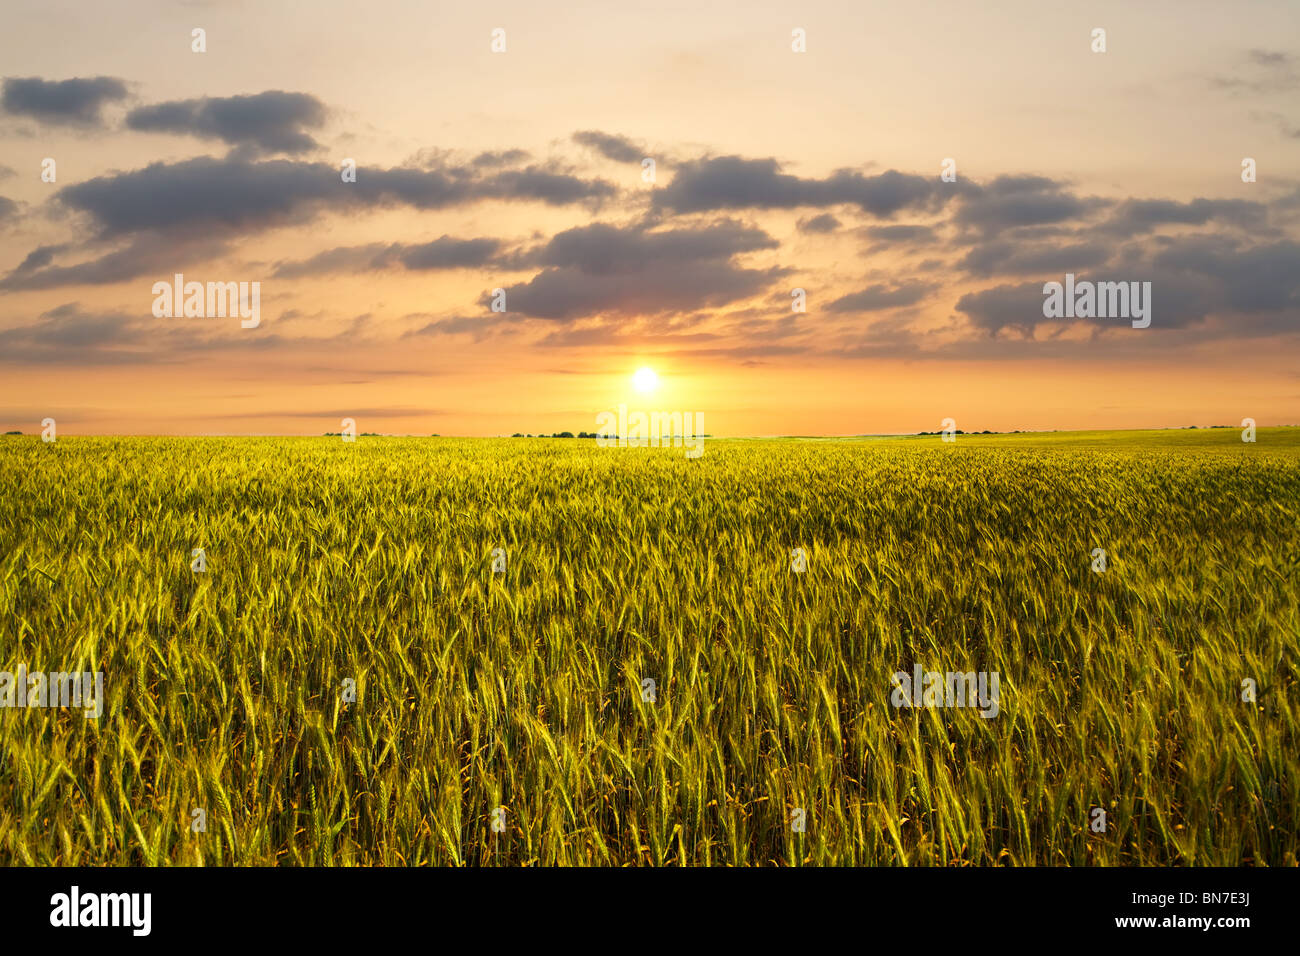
x,y
557,435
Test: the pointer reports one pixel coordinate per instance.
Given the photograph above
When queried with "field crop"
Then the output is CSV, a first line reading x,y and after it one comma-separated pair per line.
x,y
226,690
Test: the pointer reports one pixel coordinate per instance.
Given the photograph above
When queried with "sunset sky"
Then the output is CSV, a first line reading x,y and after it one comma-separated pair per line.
x,y
522,170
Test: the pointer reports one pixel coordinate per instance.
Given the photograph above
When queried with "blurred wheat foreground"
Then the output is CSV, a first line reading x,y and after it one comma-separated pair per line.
x,y
349,680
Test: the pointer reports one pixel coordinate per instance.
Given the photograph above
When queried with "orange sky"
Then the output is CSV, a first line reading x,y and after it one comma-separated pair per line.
x,y
522,170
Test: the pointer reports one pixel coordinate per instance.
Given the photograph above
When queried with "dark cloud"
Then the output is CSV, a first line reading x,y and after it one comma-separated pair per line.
x,y
732,182
1176,302
495,158
443,253
228,194
1016,201
68,325
630,270
1005,257
1143,215
610,145
67,335
1263,278
340,259
603,249
40,257
271,122
8,210
877,297
75,102
151,255
170,210
555,188
233,194
901,233
1014,306
823,224
1242,291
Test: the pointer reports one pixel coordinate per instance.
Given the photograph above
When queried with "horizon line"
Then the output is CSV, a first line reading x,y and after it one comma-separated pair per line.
x,y
554,436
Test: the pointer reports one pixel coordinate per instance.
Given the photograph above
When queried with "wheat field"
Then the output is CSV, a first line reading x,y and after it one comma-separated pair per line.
x,y
349,682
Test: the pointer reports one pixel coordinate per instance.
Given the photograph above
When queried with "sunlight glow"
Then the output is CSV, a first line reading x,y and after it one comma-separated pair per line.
x,y
645,380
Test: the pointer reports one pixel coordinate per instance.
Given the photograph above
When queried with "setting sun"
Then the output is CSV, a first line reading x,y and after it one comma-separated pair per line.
x,y
645,380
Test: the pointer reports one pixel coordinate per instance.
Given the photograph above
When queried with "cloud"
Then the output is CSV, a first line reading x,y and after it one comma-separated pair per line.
x,y
535,182
40,257
233,194
1270,71
67,335
495,158
694,282
602,249
1010,202
1270,57
1005,257
819,225
659,331
479,327
877,297
606,269
732,182
8,210
150,254
1242,291
442,253
1015,306
1263,278
75,102
270,122
1176,303
748,356
901,233
1135,216
567,294
610,145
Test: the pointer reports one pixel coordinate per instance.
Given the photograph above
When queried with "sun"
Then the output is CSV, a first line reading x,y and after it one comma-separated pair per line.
x,y
645,380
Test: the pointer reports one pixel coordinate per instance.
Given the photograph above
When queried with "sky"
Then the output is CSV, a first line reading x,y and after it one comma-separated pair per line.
x,y
524,170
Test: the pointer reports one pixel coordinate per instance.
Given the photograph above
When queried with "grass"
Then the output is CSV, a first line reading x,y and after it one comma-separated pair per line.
x,y
371,562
